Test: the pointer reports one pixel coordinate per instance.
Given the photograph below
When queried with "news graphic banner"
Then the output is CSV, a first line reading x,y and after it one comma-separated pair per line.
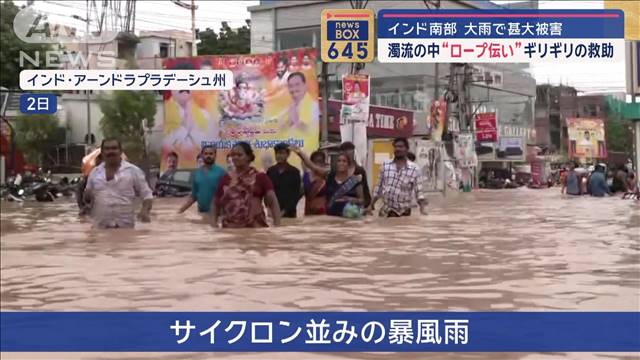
x,y
273,99
38,103
320,331
508,35
347,35
126,80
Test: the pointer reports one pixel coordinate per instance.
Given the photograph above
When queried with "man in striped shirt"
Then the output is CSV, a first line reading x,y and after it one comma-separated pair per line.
x,y
399,183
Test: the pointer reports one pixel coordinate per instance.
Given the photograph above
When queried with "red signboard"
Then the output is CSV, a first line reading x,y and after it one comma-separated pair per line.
x,y
486,127
383,121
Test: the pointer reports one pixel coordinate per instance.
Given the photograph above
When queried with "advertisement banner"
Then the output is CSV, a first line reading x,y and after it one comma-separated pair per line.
x,y
429,160
355,113
510,149
437,119
383,121
586,139
274,99
487,127
464,151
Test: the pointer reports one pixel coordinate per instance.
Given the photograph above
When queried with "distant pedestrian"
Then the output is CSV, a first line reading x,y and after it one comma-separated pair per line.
x,y
286,181
571,183
315,186
205,182
399,182
349,149
597,183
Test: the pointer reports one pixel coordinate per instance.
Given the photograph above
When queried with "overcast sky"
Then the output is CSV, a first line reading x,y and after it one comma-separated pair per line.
x,y
162,14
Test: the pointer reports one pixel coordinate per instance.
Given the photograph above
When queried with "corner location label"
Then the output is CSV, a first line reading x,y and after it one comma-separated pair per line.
x,y
347,35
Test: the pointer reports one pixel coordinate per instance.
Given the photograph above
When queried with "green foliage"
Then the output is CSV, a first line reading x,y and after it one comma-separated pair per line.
x,y
36,135
619,137
125,114
226,42
11,47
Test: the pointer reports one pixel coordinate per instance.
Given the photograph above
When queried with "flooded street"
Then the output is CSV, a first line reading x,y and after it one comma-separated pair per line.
x,y
502,250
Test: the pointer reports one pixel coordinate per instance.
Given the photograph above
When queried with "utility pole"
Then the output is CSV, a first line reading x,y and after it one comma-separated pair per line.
x,y
192,7
194,48
324,136
86,43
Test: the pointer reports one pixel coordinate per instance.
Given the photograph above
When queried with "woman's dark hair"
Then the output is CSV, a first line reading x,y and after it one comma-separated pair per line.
x,y
246,148
318,155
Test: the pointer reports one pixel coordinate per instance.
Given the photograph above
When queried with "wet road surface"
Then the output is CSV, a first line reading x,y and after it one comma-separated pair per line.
x,y
501,250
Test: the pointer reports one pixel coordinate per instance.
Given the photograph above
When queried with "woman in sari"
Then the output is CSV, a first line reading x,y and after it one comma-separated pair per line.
x,y
242,191
342,188
315,187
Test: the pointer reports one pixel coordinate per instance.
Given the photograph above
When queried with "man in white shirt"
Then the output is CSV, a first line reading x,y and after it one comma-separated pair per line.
x,y
112,188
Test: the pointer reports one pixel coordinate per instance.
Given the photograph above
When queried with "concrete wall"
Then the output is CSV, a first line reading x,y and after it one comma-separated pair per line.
x,y
262,36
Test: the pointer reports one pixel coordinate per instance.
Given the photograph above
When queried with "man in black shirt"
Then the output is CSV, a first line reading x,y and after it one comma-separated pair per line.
x,y
349,148
286,181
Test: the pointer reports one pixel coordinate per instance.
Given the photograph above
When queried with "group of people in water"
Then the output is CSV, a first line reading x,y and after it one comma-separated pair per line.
x,y
599,182
236,197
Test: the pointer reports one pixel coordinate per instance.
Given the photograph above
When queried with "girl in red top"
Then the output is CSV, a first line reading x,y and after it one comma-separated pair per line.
x,y
242,191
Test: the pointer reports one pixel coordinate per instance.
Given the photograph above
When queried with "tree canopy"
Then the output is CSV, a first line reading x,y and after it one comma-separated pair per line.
x,y
226,41
12,46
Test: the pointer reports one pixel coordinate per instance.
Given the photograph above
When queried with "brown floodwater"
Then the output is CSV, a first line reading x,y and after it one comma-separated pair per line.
x,y
503,250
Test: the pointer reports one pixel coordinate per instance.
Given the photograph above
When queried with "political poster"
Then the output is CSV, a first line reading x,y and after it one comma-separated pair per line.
x,y
586,139
437,119
274,99
464,151
354,114
431,163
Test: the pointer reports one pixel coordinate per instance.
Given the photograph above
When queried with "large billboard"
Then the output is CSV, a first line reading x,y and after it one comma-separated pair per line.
x,y
586,139
274,99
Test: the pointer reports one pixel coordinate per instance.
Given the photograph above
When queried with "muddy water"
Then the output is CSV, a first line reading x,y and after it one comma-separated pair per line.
x,y
489,250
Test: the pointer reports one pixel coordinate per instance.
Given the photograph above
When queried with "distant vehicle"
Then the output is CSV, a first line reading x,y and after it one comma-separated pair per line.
x,y
175,184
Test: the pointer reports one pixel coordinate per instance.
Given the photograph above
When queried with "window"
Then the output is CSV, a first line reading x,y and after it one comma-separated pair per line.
x,y
291,39
389,99
164,50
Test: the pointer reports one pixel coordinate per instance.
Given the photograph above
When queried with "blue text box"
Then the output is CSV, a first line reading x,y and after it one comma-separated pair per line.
x,y
38,103
346,28
485,331
495,24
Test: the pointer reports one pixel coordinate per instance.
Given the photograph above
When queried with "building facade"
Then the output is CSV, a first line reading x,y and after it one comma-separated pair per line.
x,y
282,25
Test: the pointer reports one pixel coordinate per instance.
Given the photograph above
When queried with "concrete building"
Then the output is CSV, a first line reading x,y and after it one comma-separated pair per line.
x,y
154,46
281,25
554,104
